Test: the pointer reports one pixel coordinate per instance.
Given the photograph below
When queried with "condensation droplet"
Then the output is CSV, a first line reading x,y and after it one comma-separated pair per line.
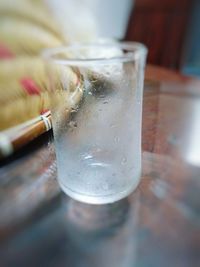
x,y
72,124
73,110
124,160
113,126
102,96
105,186
117,139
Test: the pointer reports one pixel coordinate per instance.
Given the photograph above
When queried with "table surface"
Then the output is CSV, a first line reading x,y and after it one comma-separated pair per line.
x,y
156,226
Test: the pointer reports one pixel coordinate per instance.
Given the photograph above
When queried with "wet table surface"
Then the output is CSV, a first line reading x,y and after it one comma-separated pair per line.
x,y
156,226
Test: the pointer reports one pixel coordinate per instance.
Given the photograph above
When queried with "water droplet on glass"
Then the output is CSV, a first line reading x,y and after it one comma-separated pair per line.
x,y
113,126
72,124
73,110
117,139
87,156
124,160
105,186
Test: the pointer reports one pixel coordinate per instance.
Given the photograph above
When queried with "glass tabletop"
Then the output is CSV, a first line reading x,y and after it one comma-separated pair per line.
x,y
157,225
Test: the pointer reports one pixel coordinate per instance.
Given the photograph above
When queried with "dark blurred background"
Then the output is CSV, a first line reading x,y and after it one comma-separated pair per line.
x,y
171,31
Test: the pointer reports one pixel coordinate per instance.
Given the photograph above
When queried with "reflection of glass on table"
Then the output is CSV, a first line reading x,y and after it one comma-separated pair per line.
x,y
103,235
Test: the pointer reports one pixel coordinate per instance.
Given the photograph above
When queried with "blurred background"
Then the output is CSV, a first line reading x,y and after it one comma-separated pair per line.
x,y
160,225
171,31
169,28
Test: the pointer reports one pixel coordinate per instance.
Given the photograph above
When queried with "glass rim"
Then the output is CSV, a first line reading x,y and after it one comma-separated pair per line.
x,y
135,51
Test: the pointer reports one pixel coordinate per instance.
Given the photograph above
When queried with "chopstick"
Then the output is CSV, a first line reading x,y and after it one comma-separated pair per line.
x,y
14,138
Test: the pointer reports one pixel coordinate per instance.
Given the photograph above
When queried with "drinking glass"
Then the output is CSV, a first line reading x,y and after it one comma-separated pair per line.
x,y
96,105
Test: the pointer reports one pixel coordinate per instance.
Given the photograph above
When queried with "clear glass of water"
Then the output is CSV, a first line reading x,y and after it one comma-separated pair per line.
x,y
96,97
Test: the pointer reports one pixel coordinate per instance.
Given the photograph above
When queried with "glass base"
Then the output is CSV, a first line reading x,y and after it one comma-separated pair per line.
x,y
97,200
